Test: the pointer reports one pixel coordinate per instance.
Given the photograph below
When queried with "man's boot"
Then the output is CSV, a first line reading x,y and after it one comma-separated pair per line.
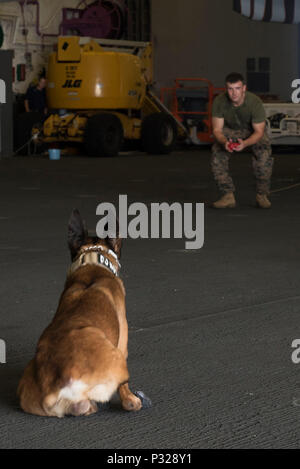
x,y
227,201
262,201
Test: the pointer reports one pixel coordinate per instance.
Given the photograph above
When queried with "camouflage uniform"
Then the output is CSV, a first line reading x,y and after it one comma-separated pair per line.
x,y
262,162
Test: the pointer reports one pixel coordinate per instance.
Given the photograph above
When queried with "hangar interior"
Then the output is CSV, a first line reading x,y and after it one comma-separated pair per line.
x,y
126,107
185,48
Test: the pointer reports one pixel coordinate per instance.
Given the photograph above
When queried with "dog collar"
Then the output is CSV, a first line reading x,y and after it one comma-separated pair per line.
x,y
96,255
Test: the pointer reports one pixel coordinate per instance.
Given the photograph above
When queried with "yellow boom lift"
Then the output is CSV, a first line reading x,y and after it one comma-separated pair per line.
x,y
98,93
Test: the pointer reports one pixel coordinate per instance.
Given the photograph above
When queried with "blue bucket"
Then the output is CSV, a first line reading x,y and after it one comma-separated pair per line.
x,y
54,154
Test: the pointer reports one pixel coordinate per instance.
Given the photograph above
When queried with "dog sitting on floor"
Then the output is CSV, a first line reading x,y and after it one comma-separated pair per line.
x,y
81,357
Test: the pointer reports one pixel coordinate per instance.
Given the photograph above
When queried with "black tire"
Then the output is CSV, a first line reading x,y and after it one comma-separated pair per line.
x,y
103,135
159,134
22,130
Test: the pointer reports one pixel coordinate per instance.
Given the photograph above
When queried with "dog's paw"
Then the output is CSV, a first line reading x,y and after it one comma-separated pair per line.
x,y
132,403
146,401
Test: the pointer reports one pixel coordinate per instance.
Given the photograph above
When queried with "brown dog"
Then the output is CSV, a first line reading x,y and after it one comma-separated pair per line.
x,y
81,356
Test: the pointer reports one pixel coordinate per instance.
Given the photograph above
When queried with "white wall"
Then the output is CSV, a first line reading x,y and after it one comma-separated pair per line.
x,y
206,38
50,17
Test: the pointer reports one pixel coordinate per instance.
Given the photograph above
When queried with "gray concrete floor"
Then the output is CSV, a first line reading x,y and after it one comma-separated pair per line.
x,y
210,330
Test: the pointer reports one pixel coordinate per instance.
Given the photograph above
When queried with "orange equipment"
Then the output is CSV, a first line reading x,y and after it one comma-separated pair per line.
x,y
190,101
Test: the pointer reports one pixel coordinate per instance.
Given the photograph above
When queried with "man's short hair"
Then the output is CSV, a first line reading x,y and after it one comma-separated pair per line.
x,y
234,77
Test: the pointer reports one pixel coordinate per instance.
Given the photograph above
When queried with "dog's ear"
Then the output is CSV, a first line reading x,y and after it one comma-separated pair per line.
x,y
77,232
115,243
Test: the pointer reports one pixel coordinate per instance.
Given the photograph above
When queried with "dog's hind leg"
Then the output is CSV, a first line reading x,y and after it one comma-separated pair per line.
x,y
59,407
128,399
85,407
29,392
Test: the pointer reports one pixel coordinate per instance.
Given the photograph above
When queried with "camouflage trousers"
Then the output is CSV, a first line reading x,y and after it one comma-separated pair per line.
x,y
262,162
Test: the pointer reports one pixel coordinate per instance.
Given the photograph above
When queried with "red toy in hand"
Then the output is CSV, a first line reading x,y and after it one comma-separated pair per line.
x,y
233,144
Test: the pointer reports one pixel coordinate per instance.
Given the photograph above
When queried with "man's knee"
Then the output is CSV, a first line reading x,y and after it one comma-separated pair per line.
x,y
263,155
216,149
219,161
263,147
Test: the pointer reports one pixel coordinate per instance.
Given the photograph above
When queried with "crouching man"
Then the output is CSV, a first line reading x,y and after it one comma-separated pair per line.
x,y
239,117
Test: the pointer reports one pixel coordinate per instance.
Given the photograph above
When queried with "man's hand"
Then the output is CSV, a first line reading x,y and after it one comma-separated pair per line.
x,y
232,145
228,146
241,145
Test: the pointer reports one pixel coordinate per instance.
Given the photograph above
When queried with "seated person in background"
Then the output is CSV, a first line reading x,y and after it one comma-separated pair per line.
x,y
35,98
